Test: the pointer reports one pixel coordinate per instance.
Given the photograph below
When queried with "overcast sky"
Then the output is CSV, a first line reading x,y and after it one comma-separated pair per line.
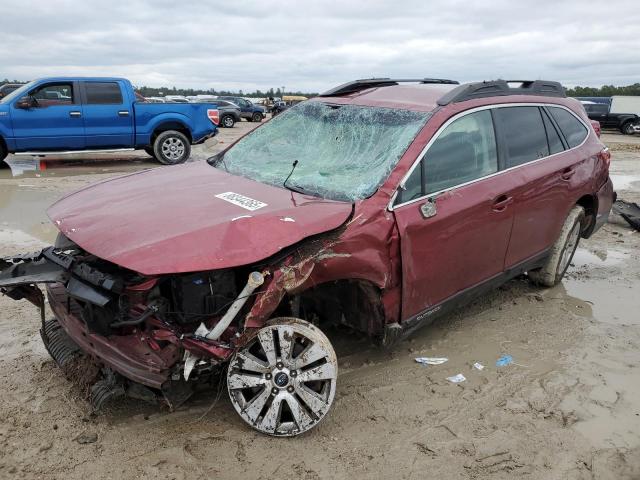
x,y
313,45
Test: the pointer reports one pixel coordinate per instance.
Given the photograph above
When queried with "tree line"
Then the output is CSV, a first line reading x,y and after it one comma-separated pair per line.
x,y
604,91
162,91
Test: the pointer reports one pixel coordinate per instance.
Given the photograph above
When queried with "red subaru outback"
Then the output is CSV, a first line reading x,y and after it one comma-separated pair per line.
x,y
379,204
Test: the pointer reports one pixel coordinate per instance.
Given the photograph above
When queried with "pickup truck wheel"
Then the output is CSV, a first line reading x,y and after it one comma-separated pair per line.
x,y
283,381
256,117
171,148
561,252
627,128
228,121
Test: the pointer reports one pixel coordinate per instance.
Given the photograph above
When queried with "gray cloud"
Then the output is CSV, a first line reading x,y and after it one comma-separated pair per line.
x,y
313,45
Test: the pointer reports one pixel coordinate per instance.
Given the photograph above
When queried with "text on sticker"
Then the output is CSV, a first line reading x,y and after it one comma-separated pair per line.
x,y
241,201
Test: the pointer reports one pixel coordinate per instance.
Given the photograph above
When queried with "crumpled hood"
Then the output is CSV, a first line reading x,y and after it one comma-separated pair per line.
x,y
190,217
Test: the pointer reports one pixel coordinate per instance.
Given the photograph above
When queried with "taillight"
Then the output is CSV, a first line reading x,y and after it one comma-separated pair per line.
x,y
605,156
596,127
214,116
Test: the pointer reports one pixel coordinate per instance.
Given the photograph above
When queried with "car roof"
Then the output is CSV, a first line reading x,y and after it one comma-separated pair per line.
x,y
429,94
411,97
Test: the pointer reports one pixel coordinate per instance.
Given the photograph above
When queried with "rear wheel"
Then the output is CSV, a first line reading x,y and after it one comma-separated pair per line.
x,y
256,117
283,382
171,147
228,121
627,128
561,252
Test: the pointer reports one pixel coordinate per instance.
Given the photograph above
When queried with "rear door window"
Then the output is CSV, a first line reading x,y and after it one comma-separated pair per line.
x,y
103,93
523,134
573,130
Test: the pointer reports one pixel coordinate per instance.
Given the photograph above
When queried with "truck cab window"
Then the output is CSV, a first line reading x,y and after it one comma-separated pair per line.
x,y
54,94
103,93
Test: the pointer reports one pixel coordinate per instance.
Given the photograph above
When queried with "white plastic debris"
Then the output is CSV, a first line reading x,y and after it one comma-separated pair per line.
x,y
457,378
431,360
478,366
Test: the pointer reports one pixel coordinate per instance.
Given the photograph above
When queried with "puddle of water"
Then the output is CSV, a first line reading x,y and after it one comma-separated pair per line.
x,y
36,167
24,209
624,182
590,278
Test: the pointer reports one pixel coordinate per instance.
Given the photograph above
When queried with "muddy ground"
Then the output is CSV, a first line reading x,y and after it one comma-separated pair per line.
x,y
568,408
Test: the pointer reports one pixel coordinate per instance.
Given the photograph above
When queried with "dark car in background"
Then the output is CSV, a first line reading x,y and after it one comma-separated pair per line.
x,y
248,110
627,123
7,88
230,113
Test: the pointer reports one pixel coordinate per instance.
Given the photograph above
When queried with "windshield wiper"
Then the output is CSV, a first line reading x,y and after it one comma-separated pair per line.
x,y
293,188
217,160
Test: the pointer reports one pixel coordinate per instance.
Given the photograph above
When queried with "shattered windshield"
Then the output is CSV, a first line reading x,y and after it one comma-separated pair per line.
x,y
342,152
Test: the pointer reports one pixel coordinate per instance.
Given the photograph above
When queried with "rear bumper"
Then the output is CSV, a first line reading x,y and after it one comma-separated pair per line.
x,y
606,197
134,356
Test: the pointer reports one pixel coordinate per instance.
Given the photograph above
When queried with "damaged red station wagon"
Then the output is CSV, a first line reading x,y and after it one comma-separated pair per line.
x,y
380,204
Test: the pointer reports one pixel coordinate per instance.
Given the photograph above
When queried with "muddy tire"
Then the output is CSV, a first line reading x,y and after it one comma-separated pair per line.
x,y
171,148
561,252
283,381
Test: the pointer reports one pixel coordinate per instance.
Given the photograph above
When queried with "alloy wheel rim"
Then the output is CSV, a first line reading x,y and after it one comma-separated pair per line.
x,y
173,148
283,382
572,243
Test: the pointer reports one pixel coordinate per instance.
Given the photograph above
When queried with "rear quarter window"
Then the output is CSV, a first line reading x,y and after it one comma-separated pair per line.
x,y
103,93
573,130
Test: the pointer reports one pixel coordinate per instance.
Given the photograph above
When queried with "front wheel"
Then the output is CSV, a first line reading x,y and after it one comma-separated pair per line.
x,y
561,252
283,381
256,117
171,147
628,128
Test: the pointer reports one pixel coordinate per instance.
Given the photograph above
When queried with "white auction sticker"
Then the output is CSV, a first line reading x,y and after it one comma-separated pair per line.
x,y
241,201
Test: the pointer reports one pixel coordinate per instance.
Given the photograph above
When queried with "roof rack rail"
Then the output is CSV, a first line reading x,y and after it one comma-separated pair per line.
x,y
498,88
357,85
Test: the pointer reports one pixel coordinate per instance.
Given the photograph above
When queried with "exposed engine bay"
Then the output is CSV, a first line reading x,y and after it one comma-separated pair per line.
x,y
161,338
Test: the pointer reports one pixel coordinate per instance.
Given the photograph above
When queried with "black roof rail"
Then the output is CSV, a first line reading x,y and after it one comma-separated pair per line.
x,y
498,88
357,85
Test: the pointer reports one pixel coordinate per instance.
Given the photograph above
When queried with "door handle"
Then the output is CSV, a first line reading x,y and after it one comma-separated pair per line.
x,y
123,113
75,114
501,202
567,173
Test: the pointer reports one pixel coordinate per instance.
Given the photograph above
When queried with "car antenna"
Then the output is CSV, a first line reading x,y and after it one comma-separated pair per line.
x,y
293,167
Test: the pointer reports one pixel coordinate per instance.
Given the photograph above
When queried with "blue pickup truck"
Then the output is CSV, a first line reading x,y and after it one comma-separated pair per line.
x,y
76,115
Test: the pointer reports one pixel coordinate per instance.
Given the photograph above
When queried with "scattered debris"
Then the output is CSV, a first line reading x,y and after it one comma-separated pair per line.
x,y
478,366
431,360
504,360
85,438
630,211
457,378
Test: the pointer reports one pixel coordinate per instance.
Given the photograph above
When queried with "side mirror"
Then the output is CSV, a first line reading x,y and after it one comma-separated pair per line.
x,y
26,102
428,209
